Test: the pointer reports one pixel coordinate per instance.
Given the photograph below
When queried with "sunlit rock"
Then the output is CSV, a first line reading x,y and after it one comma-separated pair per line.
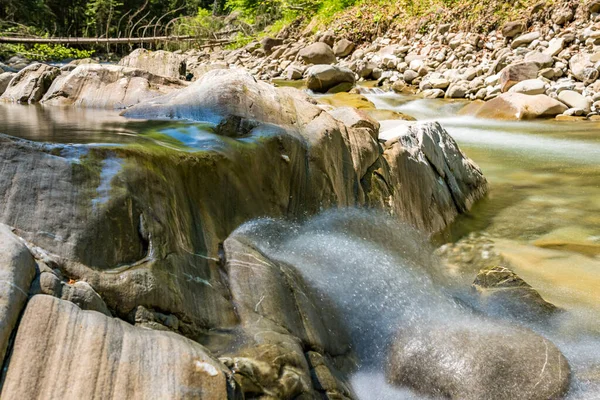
x,y
107,86
30,84
63,352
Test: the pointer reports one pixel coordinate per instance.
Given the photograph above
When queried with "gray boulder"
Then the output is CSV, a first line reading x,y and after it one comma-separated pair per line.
x,y
473,360
512,29
5,79
317,53
267,43
322,78
343,48
529,86
17,269
525,39
164,63
30,84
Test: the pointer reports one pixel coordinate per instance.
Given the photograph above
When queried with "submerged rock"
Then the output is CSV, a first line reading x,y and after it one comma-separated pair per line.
x,y
473,360
107,86
503,293
63,352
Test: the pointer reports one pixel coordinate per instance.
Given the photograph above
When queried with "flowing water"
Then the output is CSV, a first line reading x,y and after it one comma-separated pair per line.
x,y
543,214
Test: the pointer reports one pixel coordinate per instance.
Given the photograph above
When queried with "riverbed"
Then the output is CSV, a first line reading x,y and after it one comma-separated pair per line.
x,y
542,212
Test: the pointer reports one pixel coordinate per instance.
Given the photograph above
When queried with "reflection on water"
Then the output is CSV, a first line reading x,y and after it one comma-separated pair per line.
x,y
96,127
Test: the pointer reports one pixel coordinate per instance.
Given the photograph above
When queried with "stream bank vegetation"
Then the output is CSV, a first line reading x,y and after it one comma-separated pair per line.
x,y
234,23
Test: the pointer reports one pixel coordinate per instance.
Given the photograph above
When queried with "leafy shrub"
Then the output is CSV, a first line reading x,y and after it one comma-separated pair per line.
x,y
44,52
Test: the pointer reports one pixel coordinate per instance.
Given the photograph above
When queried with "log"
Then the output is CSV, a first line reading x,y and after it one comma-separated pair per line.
x,y
88,41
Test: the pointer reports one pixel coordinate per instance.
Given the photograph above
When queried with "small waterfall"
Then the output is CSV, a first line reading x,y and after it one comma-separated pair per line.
x,y
382,276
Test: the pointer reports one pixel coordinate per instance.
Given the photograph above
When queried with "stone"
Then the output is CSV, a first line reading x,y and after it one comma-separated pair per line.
x,y
317,53
63,352
410,75
525,39
529,86
593,6
555,46
17,270
5,78
541,59
514,73
293,72
433,93
582,68
471,360
160,62
321,78
30,84
517,106
267,44
343,48
512,29
457,90
419,155
575,100
563,16
502,293
107,86
440,83
195,70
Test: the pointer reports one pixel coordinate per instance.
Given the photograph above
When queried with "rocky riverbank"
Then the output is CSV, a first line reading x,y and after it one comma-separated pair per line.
x,y
551,53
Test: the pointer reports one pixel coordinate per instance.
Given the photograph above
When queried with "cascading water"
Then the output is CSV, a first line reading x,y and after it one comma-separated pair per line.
x,y
383,278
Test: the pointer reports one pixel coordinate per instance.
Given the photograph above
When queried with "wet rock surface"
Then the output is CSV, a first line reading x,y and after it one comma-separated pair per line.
x,y
476,361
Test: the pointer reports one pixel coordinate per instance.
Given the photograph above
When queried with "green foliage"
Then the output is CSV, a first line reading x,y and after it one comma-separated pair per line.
x,y
44,52
328,8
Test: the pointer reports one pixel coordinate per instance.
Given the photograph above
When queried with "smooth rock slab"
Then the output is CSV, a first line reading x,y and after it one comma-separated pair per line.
x,y
62,352
17,269
107,86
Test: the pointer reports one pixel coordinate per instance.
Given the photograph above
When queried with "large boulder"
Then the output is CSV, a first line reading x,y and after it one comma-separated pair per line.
x,y
159,62
343,48
30,84
478,359
431,179
582,67
516,106
63,352
267,43
317,53
107,86
574,99
5,78
513,28
17,269
515,73
321,78
525,39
